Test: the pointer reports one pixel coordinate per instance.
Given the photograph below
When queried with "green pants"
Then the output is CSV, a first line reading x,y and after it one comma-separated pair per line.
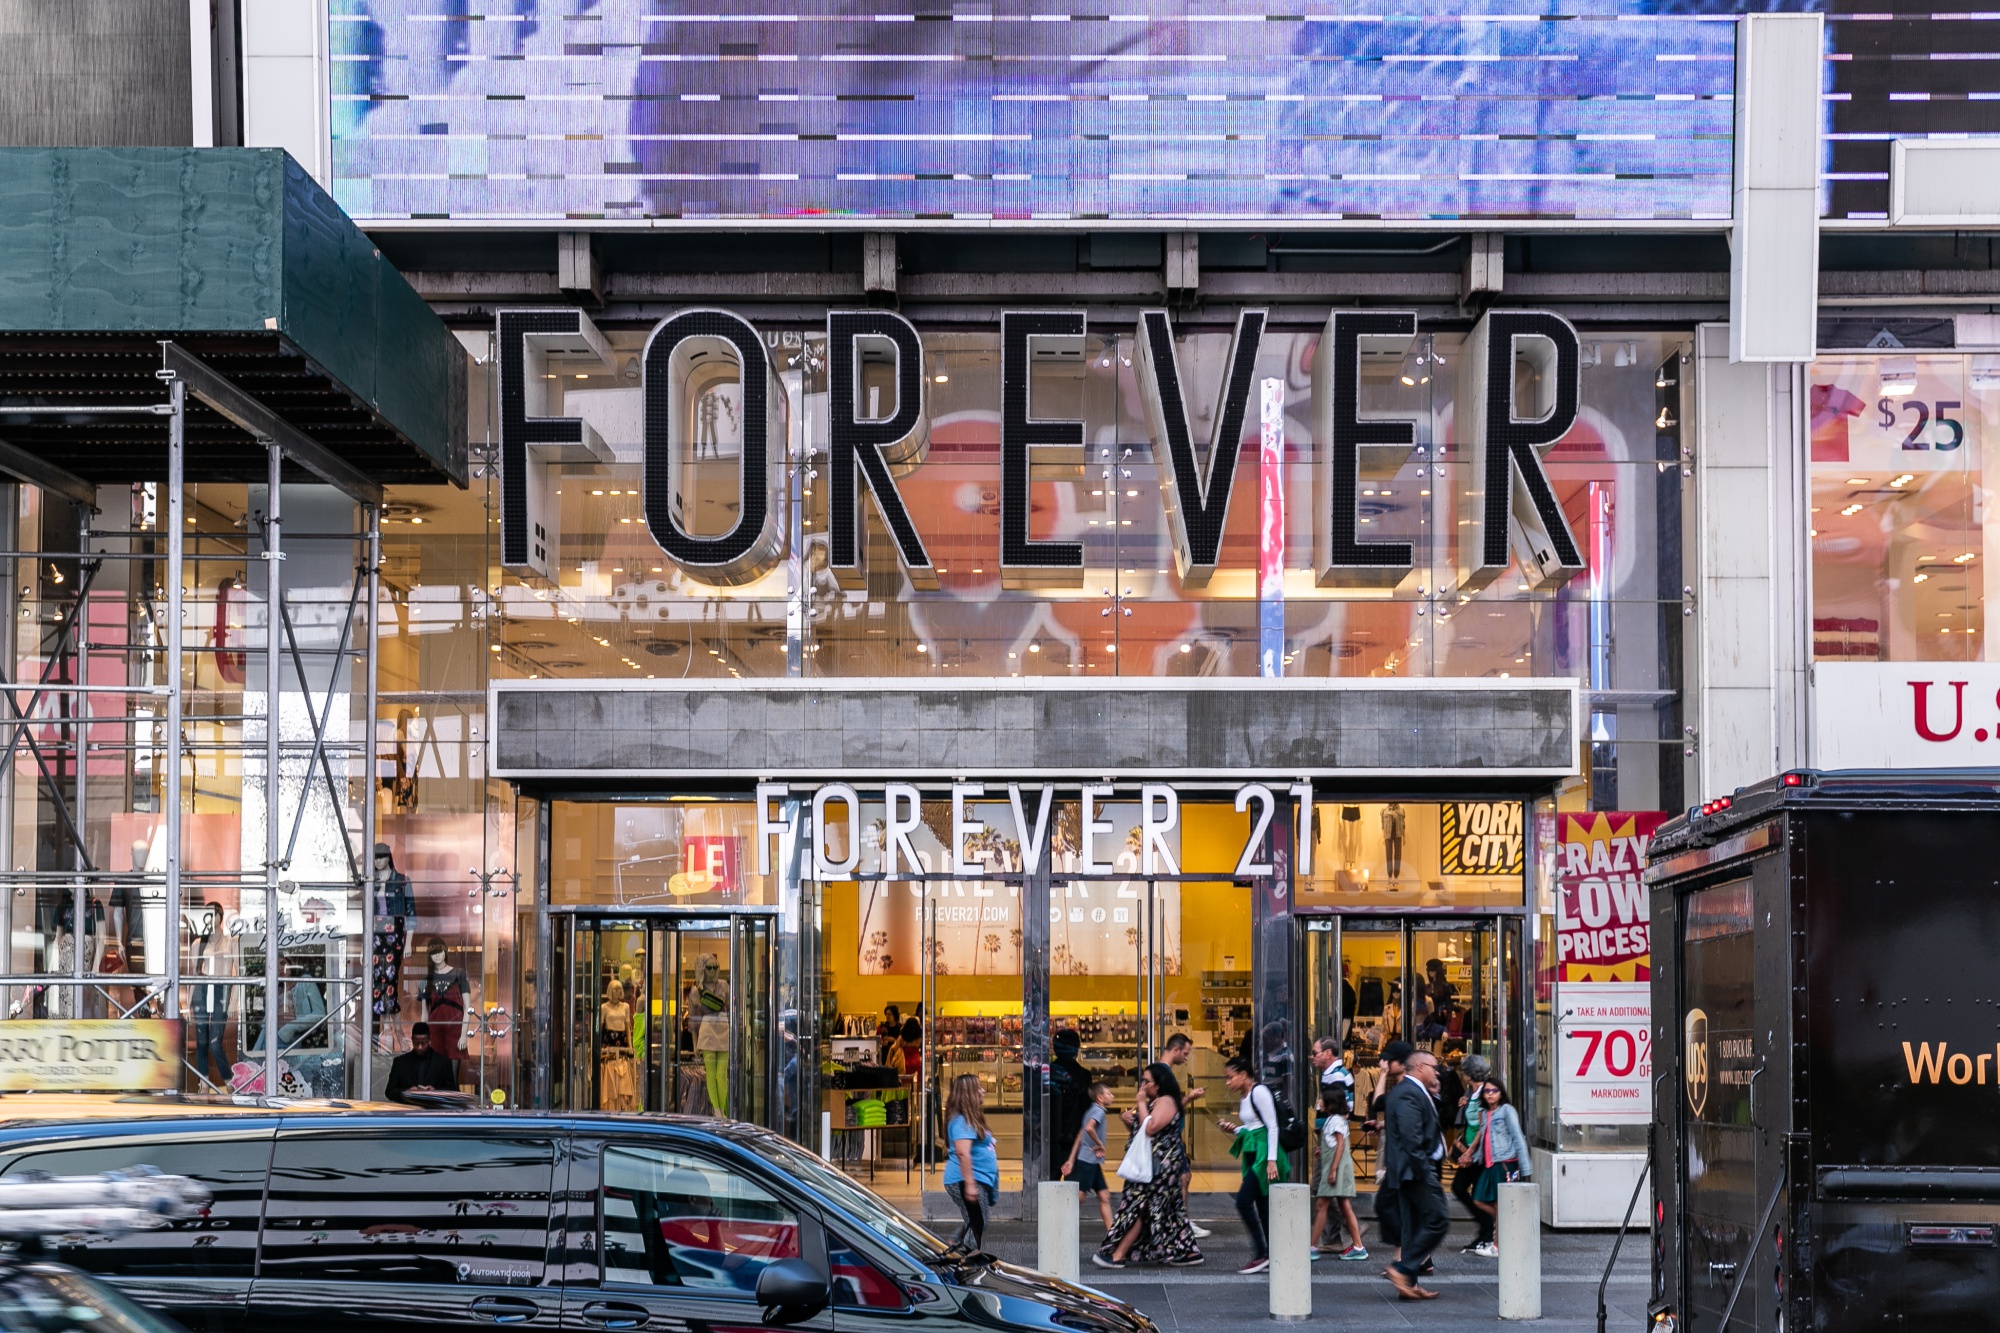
x,y
717,1063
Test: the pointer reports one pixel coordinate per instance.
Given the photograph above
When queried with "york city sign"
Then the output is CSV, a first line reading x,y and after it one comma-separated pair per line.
x,y
1508,505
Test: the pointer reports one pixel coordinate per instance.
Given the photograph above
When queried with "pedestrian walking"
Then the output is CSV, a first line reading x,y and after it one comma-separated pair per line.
x,y
1412,1151
1179,1049
1152,1223
1388,1191
1256,1146
1466,1178
972,1160
1500,1154
1085,1166
1333,1188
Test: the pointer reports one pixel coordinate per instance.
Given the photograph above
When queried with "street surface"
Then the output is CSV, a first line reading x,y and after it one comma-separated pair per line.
x,y
1214,1299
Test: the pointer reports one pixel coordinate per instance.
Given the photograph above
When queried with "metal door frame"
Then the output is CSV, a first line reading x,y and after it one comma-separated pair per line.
x,y
1498,988
662,931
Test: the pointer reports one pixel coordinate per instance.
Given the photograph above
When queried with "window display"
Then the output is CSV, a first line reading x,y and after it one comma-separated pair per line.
x,y
1905,461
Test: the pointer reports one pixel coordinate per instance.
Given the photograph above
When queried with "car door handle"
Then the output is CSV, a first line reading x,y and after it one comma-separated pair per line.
x,y
615,1314
506,1309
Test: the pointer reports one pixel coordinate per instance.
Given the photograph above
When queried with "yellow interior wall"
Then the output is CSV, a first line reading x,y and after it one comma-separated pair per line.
x,y
1215,925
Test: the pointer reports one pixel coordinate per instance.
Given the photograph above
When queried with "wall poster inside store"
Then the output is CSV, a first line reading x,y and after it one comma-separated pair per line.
x,y
1097,927
1481,838
1604,968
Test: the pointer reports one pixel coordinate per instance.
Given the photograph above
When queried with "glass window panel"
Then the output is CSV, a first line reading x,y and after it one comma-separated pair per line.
x,y
1902,475
676,1220
220,1243
409,1208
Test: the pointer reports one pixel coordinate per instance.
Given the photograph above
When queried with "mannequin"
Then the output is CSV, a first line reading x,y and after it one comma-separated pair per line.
x,y
708,1005
209,1006
126,954
635,995
64,1003
446,995
393,909
1392,838
618,1080
1350,836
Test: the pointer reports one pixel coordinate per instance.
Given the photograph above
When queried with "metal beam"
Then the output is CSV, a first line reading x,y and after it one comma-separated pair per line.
x,y
205,383
18,463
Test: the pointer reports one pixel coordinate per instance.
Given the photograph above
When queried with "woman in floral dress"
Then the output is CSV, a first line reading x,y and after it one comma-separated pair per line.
x,y
1152,1222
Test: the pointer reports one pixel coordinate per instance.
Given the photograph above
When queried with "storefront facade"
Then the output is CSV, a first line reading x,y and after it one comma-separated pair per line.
x,y
1348,757
865,536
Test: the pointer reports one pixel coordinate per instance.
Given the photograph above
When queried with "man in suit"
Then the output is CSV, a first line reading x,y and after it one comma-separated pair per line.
x,y
1412,1149
1388,1190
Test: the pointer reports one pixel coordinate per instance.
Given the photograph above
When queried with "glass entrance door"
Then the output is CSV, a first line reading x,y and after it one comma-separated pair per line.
x,y
972,1015
1436,983
665,1014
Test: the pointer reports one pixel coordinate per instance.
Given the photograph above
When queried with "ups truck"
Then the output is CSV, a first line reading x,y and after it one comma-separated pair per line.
x,y
1826,1038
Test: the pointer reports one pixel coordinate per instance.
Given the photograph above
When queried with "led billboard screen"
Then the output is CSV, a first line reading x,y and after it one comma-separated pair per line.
x,y
1028,110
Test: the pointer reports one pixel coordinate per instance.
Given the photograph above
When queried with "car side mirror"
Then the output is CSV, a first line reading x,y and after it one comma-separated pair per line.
x,y
793,1284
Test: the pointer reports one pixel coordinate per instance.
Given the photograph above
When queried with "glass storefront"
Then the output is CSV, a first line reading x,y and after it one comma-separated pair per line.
x,y
1905,462
919,971
476,871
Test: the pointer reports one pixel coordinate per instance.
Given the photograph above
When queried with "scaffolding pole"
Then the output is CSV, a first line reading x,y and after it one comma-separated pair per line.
x,y
170,789
369,878
274,589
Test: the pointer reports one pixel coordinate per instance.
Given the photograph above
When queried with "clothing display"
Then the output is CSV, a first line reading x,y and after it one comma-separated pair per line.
x,y
1350,836
708,1011
443,997
208,1004
1392,838
394,909
386,967
618,1072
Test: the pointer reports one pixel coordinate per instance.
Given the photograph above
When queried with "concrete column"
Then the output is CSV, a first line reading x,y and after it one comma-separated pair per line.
x,y
1520,1239
1291,1252
1056,1229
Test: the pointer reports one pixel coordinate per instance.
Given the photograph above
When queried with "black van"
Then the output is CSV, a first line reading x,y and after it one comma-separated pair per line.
x,y
1824,1014
326,1221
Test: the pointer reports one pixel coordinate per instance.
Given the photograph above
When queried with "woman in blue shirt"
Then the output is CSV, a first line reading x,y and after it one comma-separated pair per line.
x,y
972,1159
1501,1151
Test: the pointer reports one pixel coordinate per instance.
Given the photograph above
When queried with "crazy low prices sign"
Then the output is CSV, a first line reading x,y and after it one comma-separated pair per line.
x,y
1604,968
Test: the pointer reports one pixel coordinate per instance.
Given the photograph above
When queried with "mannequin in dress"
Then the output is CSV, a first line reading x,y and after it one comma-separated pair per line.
x,y
635,995
618,1077
446,996
708,1005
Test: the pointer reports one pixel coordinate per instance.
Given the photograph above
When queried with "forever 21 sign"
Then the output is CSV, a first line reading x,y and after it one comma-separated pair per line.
x,y
1508,504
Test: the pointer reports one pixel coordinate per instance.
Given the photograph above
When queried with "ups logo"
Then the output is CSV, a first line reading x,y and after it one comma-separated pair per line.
x,y
1694,1059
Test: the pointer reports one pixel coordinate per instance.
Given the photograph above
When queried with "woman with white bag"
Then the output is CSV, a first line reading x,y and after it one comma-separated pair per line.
x,y
1152,1221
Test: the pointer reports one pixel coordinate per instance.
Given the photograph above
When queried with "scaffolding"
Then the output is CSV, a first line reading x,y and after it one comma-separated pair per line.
x,y
140,727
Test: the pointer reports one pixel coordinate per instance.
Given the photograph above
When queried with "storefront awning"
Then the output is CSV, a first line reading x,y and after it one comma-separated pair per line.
x,y
236,257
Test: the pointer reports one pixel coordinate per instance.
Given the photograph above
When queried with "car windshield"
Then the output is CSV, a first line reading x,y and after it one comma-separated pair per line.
x,y
46,1299
880,1216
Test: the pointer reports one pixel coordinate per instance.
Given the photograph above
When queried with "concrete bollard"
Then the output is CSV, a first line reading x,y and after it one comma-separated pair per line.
x,y
826,1136
1056,1229
1291,1252
1520,1240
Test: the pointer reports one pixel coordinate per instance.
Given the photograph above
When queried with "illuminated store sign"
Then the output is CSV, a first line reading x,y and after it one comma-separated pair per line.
x,y
1145,842
1508,508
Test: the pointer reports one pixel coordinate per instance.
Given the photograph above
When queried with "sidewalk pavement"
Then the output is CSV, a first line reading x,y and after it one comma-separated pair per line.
x,y
1213,1298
